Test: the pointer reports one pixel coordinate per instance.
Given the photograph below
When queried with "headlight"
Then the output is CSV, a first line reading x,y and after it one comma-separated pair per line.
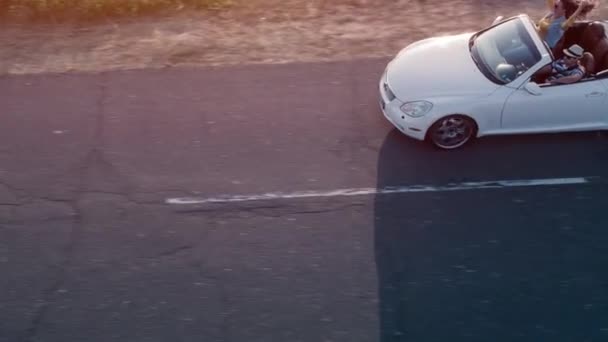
x,y
416,109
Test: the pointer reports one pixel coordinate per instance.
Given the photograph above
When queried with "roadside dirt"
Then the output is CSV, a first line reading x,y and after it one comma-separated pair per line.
x,y
254,31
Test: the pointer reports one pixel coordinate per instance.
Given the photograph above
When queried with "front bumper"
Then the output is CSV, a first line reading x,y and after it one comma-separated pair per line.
x,y
390,106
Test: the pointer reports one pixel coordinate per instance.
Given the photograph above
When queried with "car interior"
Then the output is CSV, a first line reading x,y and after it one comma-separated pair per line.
x,y
592,36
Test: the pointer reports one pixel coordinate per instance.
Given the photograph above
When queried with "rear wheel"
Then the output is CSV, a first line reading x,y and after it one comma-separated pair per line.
x,y
452,131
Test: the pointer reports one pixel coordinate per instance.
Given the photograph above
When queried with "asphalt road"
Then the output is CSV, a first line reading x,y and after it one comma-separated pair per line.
x,y
90,251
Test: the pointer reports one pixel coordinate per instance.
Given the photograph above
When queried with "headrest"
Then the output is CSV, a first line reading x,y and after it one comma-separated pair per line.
x,y
596,29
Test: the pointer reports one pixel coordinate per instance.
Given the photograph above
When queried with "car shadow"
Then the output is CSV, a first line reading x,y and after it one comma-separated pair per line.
x,y
424,239
404,161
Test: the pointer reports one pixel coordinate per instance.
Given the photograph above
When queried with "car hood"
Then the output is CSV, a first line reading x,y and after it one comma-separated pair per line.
x,y
437,67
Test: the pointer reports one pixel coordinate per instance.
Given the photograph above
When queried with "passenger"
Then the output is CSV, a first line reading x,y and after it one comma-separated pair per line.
x,y
571,6
552,26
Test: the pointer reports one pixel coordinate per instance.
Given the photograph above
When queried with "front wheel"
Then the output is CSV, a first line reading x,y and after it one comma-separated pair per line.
x,y
452,131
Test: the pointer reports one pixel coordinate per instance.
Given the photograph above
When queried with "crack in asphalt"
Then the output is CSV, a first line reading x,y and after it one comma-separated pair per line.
x,y
49,293
96,160
69,203
10,187
224,299
76,229
12,190
266,211
174,251
318,211
232,208
227,315
157,257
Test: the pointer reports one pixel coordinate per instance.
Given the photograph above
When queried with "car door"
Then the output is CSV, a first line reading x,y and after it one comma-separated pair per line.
x,y
575,106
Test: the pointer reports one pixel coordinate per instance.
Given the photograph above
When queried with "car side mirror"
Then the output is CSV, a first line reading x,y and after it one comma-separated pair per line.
x,y
533,88
499,18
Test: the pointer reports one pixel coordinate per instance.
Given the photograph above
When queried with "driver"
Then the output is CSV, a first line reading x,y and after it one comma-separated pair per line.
x,y
567,69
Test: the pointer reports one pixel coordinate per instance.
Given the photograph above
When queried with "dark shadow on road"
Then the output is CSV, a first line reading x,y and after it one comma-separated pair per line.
x,y
492,265
404,160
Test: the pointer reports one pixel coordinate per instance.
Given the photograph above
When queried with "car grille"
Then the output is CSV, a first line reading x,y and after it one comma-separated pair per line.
x,y
389,92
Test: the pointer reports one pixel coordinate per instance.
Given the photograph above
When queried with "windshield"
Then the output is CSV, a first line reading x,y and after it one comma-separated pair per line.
x,y
505,51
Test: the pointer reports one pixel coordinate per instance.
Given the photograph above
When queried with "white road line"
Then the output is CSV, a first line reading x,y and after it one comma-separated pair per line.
x,y
376,191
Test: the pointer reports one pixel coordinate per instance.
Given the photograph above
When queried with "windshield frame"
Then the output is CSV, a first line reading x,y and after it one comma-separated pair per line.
x,y
533,41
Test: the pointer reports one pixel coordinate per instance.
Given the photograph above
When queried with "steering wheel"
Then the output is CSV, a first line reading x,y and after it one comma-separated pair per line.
x,y
521,68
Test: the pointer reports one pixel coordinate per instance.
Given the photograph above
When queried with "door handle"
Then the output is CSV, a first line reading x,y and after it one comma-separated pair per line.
x,y
595,94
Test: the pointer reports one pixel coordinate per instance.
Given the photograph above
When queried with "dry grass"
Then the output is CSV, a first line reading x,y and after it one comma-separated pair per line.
x,y
249,31
92,10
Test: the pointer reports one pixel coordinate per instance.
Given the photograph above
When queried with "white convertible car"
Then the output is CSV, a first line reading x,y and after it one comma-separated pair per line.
x,y
450,89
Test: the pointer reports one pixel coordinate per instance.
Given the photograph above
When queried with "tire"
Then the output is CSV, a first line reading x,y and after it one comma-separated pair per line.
x,y
452,132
